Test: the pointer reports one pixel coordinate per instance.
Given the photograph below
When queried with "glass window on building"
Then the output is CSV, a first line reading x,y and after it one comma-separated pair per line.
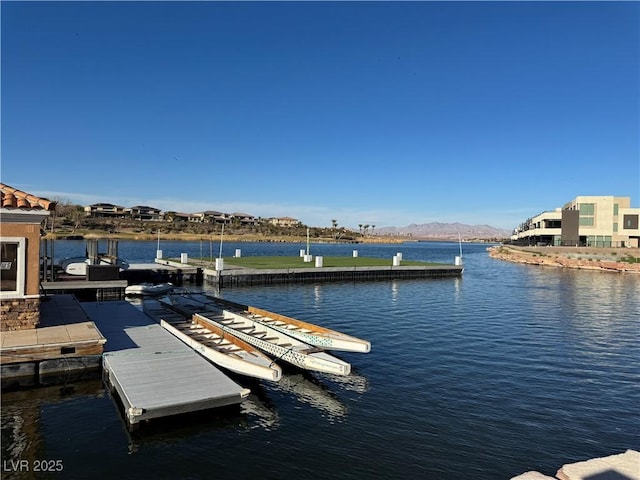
x,y
615,209
603,241
630,221
12,266
8,267
587,212
615,227
587,209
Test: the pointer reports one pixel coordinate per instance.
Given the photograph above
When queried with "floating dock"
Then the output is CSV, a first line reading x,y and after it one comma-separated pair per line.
x,y
155,374
234,276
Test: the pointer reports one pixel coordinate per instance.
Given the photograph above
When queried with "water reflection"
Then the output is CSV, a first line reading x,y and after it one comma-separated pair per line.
x,y
593,305
352,382
264,415
307,389
394,291
21,420
457,286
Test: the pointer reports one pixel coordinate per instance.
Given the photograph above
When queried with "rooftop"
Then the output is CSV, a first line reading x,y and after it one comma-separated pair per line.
x,y
14,198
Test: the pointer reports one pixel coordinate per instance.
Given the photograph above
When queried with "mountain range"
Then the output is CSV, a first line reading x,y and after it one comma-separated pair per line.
x,y
437,230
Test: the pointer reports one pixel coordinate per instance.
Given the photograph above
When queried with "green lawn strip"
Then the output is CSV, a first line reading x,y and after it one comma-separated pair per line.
x,y
297,262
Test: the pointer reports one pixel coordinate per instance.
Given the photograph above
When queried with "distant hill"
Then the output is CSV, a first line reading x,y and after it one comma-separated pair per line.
x,y
437,230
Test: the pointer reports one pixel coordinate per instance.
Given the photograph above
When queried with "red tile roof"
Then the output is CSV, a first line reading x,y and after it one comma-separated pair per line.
x,y
13,198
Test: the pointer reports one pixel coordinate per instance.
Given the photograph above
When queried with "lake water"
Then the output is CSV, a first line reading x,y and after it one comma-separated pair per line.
x,y
507,369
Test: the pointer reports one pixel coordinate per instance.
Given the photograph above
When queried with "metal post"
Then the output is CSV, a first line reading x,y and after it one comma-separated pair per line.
x,y
221,236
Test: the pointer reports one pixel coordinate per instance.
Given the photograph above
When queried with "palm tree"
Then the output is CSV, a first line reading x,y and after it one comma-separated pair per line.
x,y
373,227
360,225
335,225
366,227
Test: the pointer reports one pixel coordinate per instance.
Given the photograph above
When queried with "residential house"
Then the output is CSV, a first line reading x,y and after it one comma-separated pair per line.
x,y
176,217
142,212
284,222
21,219
107,210
210,216
243,219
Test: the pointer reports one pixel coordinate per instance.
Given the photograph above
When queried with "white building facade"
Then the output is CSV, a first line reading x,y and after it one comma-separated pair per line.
x,y
592,221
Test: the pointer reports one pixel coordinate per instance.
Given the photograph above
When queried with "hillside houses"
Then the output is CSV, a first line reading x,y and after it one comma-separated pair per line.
x,y
284,222
146,213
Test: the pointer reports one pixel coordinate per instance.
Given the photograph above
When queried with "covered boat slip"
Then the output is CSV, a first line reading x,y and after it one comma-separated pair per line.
x,y
154,373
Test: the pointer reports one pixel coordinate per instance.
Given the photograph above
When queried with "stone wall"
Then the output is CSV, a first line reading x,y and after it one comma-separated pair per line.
x,y
584,258
19,314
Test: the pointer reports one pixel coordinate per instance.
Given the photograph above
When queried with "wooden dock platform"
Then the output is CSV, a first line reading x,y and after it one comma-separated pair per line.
x,y
155,374
66,344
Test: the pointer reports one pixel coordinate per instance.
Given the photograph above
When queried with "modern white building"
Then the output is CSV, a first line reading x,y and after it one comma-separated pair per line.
x,y
592,221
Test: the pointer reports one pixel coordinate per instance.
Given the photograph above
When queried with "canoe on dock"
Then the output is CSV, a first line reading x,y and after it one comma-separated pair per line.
x,y
214,344
273,342
315,335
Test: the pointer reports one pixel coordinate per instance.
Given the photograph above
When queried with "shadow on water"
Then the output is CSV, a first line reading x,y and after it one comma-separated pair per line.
x,y
176,428
608,475
257,411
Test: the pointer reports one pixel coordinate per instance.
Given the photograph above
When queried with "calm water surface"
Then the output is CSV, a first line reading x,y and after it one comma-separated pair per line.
x,y
508,369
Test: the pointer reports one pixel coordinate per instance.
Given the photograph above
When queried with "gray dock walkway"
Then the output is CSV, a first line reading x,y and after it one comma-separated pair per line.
x,y
154,373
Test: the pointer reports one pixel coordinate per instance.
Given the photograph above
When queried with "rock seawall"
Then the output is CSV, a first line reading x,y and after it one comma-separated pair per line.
x,y
585,258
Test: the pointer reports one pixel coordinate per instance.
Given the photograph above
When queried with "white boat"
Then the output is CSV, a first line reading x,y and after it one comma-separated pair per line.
x,y
214,344
271,341
78,265
307,332
148,289
316,335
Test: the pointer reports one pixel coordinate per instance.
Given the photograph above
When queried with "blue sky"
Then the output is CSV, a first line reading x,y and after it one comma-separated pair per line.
x,y
386,113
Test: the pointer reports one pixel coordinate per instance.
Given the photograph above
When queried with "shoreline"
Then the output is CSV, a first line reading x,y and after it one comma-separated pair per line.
x,y
583,258
249,238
